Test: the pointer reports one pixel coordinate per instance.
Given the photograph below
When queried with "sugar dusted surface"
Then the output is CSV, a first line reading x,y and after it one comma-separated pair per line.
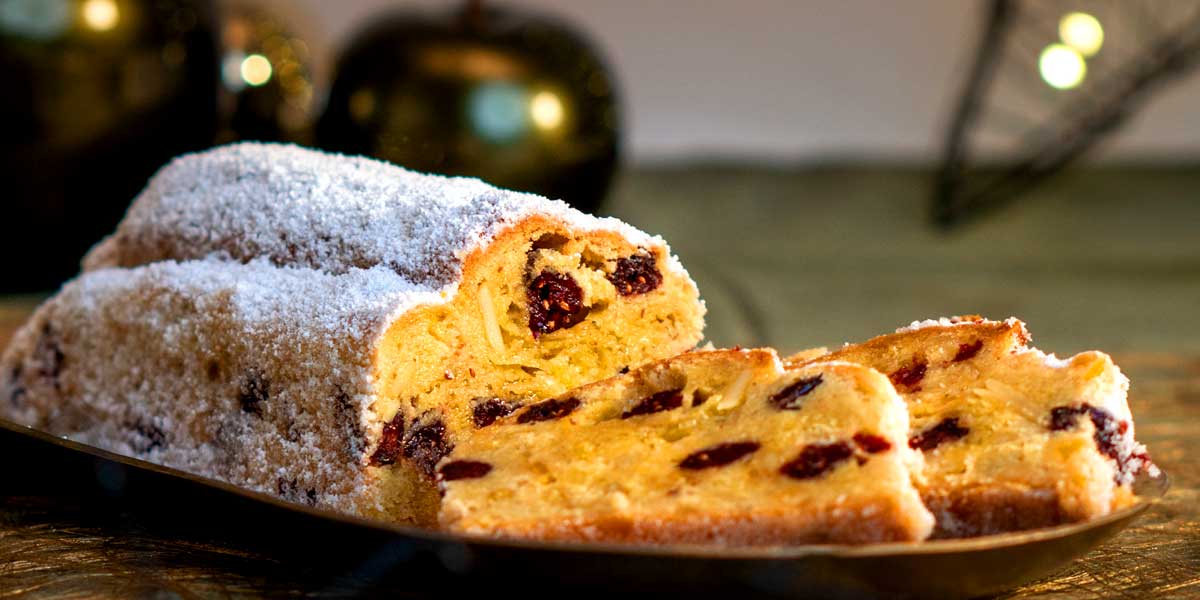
x,y
949,322
326,211
291,301
306,333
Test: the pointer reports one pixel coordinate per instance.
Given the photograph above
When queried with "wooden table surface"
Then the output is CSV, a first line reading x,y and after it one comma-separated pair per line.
x,y
1082,267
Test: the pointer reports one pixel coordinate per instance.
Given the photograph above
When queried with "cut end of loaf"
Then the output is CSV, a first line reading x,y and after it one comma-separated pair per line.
x,y
544,309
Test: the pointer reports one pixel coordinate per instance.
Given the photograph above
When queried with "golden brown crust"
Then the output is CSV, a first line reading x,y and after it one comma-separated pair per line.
x,y
862,523
989,510
893,348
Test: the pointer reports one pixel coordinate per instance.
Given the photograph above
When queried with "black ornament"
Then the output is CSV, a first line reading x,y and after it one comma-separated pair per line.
x,y
520,101
96,96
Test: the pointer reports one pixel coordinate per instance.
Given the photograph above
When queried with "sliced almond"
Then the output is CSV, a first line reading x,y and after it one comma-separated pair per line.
x,y
733,395
491,327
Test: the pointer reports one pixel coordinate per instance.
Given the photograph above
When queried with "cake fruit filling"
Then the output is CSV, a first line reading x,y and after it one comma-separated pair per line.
x,y
636,274
696,449
555,302
655,403
947,430
718,456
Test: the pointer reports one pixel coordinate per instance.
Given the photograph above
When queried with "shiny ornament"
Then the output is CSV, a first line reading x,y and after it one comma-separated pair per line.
x,y
266,79
97,95
518,100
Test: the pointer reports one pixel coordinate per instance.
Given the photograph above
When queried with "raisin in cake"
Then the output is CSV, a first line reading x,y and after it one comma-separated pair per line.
x,y
326,327
712,446
1013,438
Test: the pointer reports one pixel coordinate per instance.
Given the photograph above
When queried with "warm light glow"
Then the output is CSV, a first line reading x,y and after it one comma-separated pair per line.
x,y
101,15
546,110
362,105
1062,67
256,69
1082,32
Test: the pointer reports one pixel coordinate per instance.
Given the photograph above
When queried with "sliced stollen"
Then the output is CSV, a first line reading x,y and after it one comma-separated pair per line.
x,y
1013,438
323,327
708,447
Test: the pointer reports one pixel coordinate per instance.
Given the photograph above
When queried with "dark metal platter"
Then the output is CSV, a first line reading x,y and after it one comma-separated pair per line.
x,y
392,558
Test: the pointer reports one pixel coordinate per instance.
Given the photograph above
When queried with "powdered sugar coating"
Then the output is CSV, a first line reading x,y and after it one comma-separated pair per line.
x,y
326,211
951,322
231,326
141,346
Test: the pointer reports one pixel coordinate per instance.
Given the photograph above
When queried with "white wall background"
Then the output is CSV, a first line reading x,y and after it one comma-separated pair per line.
x,y
784,80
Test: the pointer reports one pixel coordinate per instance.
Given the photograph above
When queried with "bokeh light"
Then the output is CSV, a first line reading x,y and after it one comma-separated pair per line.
x,y
497,111
256,70
35,19
546,110
362,105
1062,67
1082,32
101,15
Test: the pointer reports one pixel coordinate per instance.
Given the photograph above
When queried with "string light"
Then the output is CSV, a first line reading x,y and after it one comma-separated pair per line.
x,y
1082,32
256,70
1062,67
101,15
546,110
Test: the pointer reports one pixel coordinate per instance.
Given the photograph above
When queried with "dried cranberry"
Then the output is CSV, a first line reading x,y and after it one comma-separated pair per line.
x,y
464,469
664,400
1065,417
150,437
718,456
871,443
18,390
1109,432
49,354
286,487
555,302
254,390
635,275
550,409
1108,429
389,446
346,414
426,443
789,397
947,430
968,351
486,410
910,376
817,459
